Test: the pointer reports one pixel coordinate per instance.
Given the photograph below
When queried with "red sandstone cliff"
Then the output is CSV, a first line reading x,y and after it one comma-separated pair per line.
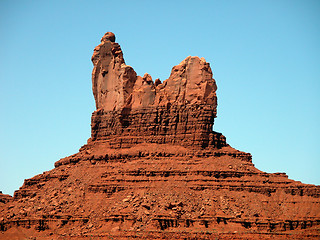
x,y
154,168
132,109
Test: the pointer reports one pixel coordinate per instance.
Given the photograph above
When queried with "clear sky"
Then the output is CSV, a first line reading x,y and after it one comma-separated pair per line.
x,y
265,56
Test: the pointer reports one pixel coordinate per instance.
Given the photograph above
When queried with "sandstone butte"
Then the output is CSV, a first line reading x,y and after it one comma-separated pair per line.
x,y
154,169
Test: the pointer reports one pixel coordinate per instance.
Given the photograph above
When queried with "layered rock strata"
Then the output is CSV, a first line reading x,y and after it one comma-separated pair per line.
x,y
132,109
154,169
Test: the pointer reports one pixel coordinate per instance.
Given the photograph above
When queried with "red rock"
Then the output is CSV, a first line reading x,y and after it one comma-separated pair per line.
x,y
4,198
111,77
153,168
132,109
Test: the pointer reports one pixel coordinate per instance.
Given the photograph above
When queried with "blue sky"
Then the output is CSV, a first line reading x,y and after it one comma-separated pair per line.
x,y
265,56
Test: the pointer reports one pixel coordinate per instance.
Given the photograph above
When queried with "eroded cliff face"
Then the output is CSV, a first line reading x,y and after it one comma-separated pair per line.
x,y
154,169
116,85
132,109
4,198
111,78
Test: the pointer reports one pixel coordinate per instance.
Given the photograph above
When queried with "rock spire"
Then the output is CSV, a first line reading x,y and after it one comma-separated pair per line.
x,y
133,109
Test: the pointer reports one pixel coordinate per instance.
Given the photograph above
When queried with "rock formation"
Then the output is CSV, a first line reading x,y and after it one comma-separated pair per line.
x,y
4,198
133,110
154,169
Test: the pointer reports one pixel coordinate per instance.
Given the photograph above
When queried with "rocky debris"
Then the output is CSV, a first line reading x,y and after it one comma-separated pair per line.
x,y
154,169
4,198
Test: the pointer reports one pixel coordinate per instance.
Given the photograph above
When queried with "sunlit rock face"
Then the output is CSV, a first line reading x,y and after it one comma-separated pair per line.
x,y
132,109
